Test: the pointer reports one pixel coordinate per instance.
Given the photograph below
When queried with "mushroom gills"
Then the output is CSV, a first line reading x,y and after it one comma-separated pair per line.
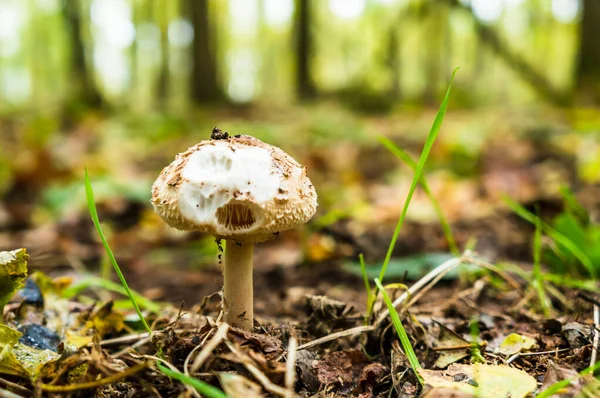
x,y
236,216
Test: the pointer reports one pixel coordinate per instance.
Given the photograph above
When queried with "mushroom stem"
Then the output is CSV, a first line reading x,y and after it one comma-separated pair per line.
x,y
238,291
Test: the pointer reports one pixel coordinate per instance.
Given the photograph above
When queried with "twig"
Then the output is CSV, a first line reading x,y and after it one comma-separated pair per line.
x,y
441,269
135,345
220,334
337,335
494,268
15,386
529,354
258,375
425,289
96,383
135,337
290,373
587,298
483,344
596,343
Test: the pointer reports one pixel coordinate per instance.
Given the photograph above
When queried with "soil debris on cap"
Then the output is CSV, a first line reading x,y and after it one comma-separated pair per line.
x,y
218,134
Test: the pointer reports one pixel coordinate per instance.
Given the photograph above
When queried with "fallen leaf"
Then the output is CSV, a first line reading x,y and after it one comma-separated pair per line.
x,y
340,367
577,335
449,338
370,375
13,271
496,381
236,386
514,343
8,362
579,385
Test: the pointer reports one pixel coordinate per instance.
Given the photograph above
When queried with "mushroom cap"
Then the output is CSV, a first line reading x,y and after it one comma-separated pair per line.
x,y
238,188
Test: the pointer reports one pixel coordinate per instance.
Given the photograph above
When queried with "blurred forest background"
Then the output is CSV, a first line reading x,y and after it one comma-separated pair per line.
x,y
121,86
142,55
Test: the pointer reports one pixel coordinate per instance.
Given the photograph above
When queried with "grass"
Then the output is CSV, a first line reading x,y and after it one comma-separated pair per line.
x,y
370,295
202,387
538,281
404,340
559,385
405,157
417,178
475,351
556,236
431,137
111,286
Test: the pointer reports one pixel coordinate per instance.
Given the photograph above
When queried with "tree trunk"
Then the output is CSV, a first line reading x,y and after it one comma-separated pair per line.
x,y
537,80
588,63
84,88
161,17
305,86
205,83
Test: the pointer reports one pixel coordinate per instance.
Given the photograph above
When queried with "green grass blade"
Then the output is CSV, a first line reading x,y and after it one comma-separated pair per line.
x,y
538,281
89,195
404,340
203,388
559,385
405,157
435,128
111,286
363,271
554,235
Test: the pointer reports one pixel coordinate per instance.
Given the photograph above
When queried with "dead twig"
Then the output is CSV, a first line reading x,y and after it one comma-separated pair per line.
x,y
596,342
529,354
337,335
208,348
96,383
290,372
442,269
254,371
15,386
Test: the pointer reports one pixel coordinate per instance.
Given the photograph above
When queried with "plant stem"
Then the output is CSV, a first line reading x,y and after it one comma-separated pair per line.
x,y
238,292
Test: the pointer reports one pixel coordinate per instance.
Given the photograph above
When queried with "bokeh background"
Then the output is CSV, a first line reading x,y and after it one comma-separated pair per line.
x,y
120,86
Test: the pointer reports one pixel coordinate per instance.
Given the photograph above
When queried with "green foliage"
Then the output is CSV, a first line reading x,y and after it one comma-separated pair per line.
x,y
555,388
538,282
94,281
404,340
476,356
576,245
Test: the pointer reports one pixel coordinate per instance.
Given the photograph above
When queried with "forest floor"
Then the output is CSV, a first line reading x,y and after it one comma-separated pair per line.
x,y
486,330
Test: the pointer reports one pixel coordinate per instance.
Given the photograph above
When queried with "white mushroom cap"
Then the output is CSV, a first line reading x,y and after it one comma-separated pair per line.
x,y
236,188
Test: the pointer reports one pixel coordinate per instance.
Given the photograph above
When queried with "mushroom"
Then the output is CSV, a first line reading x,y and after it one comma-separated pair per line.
x,y
241,190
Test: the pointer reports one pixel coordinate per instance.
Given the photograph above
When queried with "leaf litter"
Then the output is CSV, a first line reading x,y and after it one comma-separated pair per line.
x,y
100,349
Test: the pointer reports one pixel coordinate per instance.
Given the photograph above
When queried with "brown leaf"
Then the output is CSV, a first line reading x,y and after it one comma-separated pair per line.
x,y
340,367
265,343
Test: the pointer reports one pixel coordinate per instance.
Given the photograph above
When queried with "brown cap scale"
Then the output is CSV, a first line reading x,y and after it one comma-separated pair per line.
x,y
241,190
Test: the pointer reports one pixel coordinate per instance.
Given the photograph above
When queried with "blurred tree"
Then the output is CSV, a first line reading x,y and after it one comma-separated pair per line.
x,y
83,87
392,61
588,63
205,82
305,86
161,17
538,81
